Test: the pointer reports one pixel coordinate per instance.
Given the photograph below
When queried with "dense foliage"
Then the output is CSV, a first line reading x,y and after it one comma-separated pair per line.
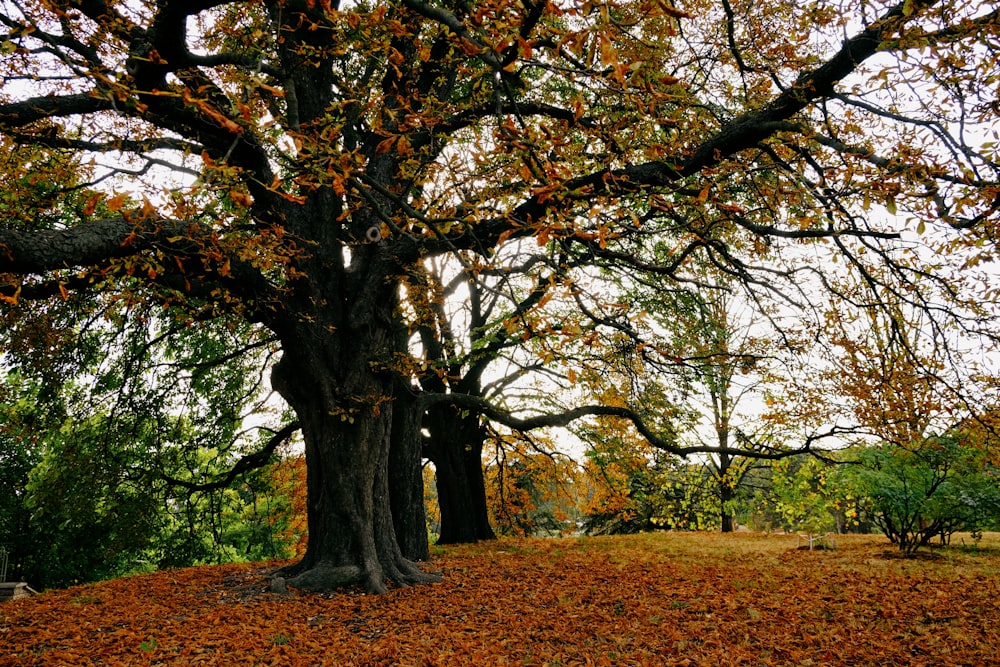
x,y
89,508
932,490
107,458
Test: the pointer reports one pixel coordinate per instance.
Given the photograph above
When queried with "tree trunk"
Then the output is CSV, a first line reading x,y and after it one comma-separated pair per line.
x,y
341,390
725,485
726,495
406,481
456,448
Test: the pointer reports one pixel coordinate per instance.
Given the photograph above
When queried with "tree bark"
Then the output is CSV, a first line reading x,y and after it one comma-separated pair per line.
x,y
406,482
456,448
726,491
341,388
726,494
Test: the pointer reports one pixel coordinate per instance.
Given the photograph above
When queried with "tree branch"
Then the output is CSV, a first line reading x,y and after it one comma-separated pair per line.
x,y
84,245
487,409
257,459
745,131
19,114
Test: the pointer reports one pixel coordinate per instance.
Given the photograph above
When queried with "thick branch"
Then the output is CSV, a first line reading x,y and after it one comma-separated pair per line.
x,y
99,243
19,114
83,245
257,459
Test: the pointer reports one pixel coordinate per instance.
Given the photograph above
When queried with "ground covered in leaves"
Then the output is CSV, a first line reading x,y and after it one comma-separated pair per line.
x,y
661,599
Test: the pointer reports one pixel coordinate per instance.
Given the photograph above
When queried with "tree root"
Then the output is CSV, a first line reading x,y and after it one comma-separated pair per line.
x,y
326,578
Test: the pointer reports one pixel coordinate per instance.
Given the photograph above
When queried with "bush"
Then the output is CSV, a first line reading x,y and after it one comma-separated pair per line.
x,y
934,489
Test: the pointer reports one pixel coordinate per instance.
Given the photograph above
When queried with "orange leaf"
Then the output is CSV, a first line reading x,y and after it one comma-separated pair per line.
x,y
12,300
385,145
91,204
241,198
116,202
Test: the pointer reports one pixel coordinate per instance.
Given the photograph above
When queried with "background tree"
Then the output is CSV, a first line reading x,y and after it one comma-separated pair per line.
x,y
811,497
457,350
331,150
720,356
622,492
531,489
124,462
24,418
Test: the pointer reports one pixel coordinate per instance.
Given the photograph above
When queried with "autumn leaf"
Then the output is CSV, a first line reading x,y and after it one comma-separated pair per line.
x,y
202,105
116,202
386,145
668,9
91,204
241,198
13,298
685,598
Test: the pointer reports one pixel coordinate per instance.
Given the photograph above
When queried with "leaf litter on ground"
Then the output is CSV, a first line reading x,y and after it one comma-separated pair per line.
x,y
654,599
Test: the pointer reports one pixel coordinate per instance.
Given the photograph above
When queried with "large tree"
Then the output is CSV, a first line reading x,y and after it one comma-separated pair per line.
x,y
291,161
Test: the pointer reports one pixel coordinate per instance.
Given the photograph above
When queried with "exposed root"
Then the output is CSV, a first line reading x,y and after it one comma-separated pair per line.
x,y
327,578
324,578
411,574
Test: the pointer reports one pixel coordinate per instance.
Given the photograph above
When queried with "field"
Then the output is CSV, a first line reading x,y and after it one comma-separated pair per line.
x,y
658,599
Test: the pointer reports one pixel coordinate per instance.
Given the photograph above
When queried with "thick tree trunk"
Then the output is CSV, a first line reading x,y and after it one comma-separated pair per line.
x,y
342,397
456,448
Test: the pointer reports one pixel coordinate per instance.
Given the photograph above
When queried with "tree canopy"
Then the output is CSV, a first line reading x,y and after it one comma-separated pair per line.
x,y
290,163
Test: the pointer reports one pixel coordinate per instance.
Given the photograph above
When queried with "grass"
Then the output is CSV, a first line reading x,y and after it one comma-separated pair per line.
x,y
656,599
